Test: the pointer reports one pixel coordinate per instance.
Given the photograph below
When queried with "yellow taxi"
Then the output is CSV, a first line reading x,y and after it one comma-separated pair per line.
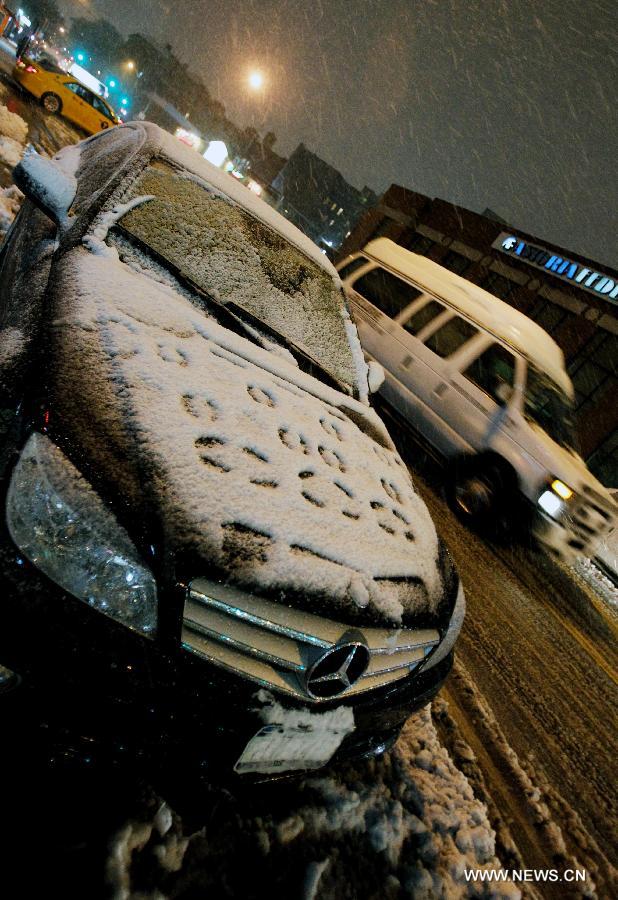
x,y
62,94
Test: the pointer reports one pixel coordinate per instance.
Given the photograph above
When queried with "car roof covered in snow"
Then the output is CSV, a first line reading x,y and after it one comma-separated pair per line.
x,y
506,323
163,142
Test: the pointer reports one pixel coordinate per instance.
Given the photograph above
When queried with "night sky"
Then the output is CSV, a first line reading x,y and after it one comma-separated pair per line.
x,y
485,103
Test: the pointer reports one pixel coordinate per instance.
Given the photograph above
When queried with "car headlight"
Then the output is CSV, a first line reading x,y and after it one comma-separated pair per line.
x,y
62,526
452,632
553,501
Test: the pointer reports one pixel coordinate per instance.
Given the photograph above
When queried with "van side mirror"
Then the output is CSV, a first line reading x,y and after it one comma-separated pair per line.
x,y
503,392
44,183
375,376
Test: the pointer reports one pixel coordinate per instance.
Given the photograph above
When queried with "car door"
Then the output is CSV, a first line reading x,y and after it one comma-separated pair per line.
x,y
480,394
437,339
73,104
92,118
103,114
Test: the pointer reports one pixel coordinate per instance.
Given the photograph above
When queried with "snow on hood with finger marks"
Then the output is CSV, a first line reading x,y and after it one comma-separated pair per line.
x,y
271,475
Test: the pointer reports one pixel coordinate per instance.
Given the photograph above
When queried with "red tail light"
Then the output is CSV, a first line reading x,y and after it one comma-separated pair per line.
x,y
32,70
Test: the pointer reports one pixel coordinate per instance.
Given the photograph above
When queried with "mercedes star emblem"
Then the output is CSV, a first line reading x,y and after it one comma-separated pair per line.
x,y
336,670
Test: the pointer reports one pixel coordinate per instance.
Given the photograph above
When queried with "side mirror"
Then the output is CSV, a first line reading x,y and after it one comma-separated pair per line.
x,y
44,183
503,392
375,376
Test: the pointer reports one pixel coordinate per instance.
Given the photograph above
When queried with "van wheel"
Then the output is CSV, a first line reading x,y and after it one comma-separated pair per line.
x,y
480,491
51,103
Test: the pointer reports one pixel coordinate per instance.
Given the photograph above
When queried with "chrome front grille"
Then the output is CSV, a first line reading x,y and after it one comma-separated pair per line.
x,y
590,519
280,647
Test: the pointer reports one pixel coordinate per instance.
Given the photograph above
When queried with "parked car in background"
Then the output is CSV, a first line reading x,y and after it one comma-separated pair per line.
x,y
486,388
62,94
210,548
45,60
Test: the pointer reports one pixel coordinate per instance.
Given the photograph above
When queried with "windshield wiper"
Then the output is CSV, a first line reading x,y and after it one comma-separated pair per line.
x,y
310,362
237,318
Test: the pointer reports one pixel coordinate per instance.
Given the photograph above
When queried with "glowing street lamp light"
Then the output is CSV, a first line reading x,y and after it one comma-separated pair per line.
x,y
256,80
112,83
130,65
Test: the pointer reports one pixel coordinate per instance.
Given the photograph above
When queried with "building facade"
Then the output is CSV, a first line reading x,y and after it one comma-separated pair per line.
x,y
317,198
573,298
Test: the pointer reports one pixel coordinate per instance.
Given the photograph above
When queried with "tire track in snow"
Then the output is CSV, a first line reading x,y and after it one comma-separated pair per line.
x,y
543,657
546,830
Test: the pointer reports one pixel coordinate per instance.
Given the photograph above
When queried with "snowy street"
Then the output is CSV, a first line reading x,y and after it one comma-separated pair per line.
x,y
533,695
512,767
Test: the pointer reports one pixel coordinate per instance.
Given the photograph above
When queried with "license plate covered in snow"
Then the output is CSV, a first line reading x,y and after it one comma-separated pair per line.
x,y
284,747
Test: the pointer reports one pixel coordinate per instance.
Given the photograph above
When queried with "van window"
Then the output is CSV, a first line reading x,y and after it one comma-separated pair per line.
x,y
546,404
494,373
453,335
423,316
352,267
389,293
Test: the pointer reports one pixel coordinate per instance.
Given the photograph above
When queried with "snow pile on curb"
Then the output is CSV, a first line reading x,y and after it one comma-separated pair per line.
x,y
12,126
167,846
417,813
13,136
597,580
10,200
404,825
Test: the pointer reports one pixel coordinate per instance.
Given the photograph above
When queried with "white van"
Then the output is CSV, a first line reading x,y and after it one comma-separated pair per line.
x,y
485,387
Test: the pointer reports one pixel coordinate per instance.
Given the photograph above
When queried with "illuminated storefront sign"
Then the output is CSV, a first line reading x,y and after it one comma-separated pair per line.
x,y
559,266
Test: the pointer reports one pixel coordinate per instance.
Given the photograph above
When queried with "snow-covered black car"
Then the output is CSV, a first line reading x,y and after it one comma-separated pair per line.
x,y
210,551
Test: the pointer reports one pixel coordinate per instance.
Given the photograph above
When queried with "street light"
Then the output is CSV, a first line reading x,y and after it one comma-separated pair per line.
x,y
256,80
130,65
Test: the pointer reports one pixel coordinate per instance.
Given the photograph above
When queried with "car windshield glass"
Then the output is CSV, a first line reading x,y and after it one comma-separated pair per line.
x,y
241,262
546,404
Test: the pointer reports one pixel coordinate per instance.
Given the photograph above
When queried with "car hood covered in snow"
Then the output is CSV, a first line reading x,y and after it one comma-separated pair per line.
x,y
281,483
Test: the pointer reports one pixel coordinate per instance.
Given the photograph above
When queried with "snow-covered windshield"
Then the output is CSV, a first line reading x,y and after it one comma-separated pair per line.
x,y
548,406
240,261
